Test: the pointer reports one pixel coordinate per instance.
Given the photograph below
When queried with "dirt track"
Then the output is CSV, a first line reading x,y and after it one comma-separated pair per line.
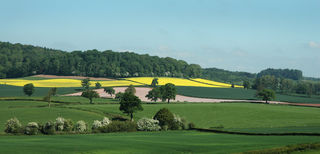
x,y
69,77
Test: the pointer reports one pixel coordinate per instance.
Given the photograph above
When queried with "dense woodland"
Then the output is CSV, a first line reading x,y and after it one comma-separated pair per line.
x,y
17,60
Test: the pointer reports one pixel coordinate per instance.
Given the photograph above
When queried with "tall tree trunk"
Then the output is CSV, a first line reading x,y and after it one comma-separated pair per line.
x,y
168,101
131,116
90,101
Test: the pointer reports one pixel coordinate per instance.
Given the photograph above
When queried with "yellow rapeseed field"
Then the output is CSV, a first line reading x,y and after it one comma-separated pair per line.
x,y
136,81
216,83
175,81
63,82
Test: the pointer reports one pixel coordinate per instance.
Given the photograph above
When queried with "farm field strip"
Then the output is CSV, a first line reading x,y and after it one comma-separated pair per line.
x,y
225,85
175,81
136,81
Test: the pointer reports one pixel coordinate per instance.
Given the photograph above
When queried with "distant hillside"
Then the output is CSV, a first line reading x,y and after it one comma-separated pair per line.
x,y
17,60
226,76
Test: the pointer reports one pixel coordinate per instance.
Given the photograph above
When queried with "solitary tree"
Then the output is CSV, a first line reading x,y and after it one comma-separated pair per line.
x,y
131,89
28,89
86,83
51,92
98,85
109,90
168,92
154,82
129,104
154,94
266,95
90,94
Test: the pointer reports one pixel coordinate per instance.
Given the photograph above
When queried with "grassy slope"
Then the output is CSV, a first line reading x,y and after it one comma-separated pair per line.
x,y
146,142
239,93
232,115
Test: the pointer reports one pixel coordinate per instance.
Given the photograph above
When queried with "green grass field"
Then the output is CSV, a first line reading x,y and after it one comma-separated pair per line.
x,y
240,93
15,91
245,117
241,117
146,142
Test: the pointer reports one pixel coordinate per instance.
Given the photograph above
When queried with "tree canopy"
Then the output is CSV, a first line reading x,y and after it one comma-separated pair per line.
x,y
90,94
129,104
28,89
168,92
266,94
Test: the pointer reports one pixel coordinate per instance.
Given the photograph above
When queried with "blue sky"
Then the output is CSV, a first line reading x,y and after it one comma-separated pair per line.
x,y
237,35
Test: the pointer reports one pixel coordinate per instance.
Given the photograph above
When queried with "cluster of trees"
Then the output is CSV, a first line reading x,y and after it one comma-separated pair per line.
x,y
282,73
166,92
17,60
285,85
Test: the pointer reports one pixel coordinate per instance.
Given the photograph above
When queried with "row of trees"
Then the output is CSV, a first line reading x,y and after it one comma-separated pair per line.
x,y
18,60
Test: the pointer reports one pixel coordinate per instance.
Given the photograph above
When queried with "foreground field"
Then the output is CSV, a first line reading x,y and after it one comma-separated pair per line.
x,y
146,142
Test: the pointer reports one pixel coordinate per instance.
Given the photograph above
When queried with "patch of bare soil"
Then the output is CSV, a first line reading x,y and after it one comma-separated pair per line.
x,y
70,77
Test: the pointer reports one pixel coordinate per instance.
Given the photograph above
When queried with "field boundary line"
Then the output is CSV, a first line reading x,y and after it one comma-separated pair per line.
x,y
255,134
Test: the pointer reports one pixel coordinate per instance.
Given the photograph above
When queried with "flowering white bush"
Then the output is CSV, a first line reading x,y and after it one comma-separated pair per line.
x,y
32,128
96,124
105,121
59,123
177,118
81,126
180,123
13,125
146,124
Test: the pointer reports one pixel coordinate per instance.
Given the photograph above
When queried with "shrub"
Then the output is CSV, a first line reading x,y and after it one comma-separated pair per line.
x,y
105,121
191,125
48,128
32,128
68,125
178,122
165,117
13,126
146,124
119,126
81,126
119,118
59,123
96,125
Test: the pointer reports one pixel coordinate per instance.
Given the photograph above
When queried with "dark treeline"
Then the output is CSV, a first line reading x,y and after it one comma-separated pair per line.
x,y
282,73
227,76
17,60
